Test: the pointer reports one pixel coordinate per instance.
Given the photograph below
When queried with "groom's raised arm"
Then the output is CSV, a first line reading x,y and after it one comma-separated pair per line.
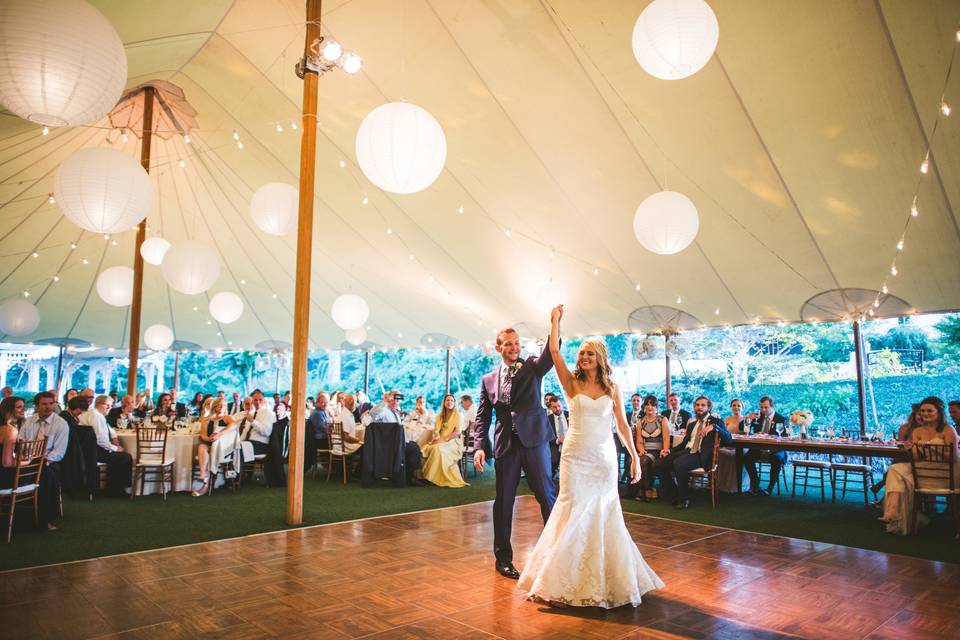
x,y
544,362
484,414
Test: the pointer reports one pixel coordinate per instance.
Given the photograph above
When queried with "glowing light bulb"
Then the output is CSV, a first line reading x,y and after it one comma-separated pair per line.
x,y
183,163
365,200
914,211
389,231
716,311
679,300
925,166
507,232
636,287
884,289
876,303
332,50
596,272
56,278
945,108
352,63
35,254
239,144
124,136
342,164
411,256
73,245
45,131
51,200
460,209
186,138
893,270
236,135
85,261
900,244
293,125
279,128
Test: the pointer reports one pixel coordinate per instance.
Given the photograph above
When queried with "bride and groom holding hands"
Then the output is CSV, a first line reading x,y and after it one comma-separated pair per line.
x,y
585,555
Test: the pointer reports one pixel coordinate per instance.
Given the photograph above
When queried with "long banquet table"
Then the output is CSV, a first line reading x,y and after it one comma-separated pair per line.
x,y
834,446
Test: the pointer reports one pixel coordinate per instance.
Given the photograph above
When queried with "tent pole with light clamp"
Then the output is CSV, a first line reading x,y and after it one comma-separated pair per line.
x,y
301,299
137,302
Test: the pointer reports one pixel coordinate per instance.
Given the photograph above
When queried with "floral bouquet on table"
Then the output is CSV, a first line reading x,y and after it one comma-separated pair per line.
x,y
802,418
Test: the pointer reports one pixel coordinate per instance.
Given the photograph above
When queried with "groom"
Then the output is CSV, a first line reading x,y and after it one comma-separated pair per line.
x,y
521,438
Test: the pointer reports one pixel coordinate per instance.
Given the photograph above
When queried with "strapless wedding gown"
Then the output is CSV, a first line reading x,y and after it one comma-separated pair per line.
x,y
585,556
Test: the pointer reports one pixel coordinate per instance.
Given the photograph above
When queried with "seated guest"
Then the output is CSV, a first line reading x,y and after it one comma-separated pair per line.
x,y
767,421
421,413
142,405
196,405
319,421
6,392
898,507
351,439
13,411
166,408
441,457
954,408
675,415
276,400
258,424
212,428
114,399
363,403
469,414
235,405
8,446
274,470
729,476
119,462
179,407
652,430
44,423
124,411
635,411
558,421
70,394
736,422
704,432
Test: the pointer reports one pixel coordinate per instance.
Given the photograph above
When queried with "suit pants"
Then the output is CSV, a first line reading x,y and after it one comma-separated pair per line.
x,y
663,468
119,470
535,461
554,459
412,459
776,459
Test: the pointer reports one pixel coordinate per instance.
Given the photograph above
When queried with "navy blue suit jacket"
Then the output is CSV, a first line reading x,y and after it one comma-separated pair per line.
x,y
718,437
524,411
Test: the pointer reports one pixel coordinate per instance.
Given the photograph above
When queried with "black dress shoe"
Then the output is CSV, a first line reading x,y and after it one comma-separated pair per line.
x,y
507,570
683,504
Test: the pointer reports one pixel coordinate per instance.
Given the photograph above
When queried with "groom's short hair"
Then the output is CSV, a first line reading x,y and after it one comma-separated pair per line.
x,y
503,331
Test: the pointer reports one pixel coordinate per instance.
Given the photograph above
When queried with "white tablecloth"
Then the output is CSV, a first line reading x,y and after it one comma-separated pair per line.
x,y
180,446
418,432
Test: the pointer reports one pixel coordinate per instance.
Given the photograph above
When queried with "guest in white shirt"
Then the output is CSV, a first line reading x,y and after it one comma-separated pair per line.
x,y
469,414
351,440
559,423
44,423
119,462
421,414
260,420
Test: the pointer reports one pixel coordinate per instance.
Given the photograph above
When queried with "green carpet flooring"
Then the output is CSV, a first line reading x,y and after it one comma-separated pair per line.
x,y
110,526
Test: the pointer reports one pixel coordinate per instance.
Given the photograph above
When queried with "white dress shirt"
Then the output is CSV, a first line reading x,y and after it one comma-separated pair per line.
x,y
262,425
349,428
469,418
560,424
54,428
105,435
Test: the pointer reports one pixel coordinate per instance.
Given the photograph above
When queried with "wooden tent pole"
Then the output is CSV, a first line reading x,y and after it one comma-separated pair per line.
x,y
301,300
176,371
861,391
447,373
366,373
137,303
666,360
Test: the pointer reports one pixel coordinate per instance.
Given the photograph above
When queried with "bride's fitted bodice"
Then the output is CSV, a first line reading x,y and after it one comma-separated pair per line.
x,y
590,420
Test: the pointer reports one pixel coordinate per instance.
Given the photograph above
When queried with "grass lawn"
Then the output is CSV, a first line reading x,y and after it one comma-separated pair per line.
x,y
111,526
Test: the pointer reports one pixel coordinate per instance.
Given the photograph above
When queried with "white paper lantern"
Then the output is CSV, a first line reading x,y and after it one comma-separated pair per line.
x,y
274,208
666,222
115,286
357,336
61,61
158,337
191,267
103,190
401,147
18,318
153,250
226,307
673,39
350,311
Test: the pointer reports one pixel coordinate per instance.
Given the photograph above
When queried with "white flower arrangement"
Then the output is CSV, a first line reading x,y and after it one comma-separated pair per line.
x,y
801,418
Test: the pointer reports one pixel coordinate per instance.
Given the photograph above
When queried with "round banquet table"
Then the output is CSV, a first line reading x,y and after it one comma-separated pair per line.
x,y
181,446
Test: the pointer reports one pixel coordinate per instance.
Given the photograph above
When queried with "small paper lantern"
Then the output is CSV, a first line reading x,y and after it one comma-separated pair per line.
x,y
153,250
350,311
673,39
274,208
61,62
357,336
666,222
18,318
115,286
191,267
226,307
158,337
401,147
103,190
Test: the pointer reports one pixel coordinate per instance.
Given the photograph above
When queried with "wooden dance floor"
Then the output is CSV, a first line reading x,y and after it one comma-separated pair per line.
x,y
430,575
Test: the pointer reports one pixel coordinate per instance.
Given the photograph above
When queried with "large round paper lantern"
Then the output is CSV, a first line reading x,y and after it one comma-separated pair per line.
x,y
274,208
61,62
158,337
115,286
673,39
191,267
103,190
401,147
226,307
666,222
18,318
350,311
357,336
153,250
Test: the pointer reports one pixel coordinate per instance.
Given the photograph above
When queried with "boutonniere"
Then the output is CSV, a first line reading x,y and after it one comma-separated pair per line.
x,y
515,367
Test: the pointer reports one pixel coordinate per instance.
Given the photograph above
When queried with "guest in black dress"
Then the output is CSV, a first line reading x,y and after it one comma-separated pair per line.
x,y
274,470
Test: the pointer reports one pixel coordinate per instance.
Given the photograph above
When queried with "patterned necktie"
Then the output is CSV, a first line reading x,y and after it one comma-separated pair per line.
x,y
506,385
698,438
766,425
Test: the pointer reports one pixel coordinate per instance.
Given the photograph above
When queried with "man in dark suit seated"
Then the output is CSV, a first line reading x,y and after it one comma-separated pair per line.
x,y
767,421
695,451
675,415
125,410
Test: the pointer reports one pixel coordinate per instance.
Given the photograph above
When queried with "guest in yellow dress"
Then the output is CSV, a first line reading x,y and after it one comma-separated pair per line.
x,y
441,457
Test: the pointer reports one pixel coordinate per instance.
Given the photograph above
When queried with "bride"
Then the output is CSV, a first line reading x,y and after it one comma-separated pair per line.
x,y
585,556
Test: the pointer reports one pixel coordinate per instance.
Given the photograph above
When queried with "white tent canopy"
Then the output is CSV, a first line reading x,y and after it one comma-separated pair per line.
x,y
799,142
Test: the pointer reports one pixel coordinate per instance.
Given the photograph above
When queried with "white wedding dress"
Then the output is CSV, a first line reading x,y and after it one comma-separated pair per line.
x,y
585,556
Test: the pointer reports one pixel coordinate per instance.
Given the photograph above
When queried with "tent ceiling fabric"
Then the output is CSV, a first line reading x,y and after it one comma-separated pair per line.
x,y
799,143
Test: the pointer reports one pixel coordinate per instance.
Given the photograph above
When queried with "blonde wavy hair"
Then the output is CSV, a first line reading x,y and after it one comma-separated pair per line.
x,y
604,372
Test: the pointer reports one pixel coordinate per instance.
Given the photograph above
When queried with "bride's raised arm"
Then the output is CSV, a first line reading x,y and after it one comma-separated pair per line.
x,y
566,378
